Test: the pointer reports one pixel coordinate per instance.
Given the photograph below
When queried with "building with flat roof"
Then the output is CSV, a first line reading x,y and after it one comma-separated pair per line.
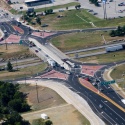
x,y
37,2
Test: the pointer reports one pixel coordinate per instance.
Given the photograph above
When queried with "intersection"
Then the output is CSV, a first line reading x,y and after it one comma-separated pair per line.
x,y
82,76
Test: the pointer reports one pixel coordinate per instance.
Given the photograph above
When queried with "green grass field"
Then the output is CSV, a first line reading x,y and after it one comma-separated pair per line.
x,y
78,19
74,41
70,20
24,72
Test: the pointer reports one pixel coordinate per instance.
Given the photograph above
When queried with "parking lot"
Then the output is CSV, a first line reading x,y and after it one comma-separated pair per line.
x,y
112,8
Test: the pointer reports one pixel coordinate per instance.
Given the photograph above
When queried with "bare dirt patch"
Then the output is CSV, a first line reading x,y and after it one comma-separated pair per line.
x,y
59,112
47,97
15,51
3,4
64,115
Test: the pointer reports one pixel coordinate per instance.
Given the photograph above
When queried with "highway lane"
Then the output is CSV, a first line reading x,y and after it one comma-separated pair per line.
x,y
109,113
8,28
94,48
108,91
87,55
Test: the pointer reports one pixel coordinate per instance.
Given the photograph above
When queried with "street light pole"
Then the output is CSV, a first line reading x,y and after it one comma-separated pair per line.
x,y
115,7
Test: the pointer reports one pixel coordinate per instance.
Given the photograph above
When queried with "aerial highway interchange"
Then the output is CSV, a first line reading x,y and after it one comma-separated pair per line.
x,y
109,108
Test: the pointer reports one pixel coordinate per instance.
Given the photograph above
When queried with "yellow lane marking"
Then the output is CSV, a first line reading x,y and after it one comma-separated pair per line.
x,y
104,96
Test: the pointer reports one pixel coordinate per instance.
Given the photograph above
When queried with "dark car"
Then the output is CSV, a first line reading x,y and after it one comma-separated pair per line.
x,y
36,51
45,25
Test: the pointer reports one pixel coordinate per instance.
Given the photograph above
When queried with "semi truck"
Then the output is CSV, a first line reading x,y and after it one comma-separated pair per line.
x,y
114,48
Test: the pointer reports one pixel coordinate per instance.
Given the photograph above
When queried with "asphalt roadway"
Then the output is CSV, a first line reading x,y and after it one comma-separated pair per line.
x,y
110,114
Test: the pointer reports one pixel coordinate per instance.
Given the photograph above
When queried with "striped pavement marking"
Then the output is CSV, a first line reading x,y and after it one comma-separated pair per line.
x,y
16,28
55,74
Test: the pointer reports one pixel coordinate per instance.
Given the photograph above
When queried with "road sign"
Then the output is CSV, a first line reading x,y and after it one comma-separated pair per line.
x,y
107,82
20,42
119,80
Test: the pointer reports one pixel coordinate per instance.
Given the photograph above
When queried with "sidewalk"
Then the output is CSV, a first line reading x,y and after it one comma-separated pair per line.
x,y
71,98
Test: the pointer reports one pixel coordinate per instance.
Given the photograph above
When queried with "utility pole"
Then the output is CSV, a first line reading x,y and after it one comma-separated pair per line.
x,y
37,93
16,64
115,7
6,44
105,11
25,79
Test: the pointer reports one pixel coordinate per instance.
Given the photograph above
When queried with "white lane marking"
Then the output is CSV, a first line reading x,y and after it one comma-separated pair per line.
x,y
116,93
113,111
97,109
109,118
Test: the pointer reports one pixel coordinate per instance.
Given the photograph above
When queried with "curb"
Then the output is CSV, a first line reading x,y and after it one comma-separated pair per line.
x,y
110,78
1,33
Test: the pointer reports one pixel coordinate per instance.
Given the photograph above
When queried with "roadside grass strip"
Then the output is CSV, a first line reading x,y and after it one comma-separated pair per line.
x,y
16,28
89,86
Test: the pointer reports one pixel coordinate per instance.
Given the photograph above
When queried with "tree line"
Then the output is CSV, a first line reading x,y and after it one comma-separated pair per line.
x,y
12,102
120,31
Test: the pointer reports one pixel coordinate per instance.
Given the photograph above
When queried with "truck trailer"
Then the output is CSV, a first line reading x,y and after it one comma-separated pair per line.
x,y
114,48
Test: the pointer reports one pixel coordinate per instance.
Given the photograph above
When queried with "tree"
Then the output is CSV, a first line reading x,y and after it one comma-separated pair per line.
x,y
14,119
25,17
77,7
9,66
38,20
66,8
112,33
48,122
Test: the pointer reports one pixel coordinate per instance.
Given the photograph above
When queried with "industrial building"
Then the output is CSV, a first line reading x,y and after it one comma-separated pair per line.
x,y
37,2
